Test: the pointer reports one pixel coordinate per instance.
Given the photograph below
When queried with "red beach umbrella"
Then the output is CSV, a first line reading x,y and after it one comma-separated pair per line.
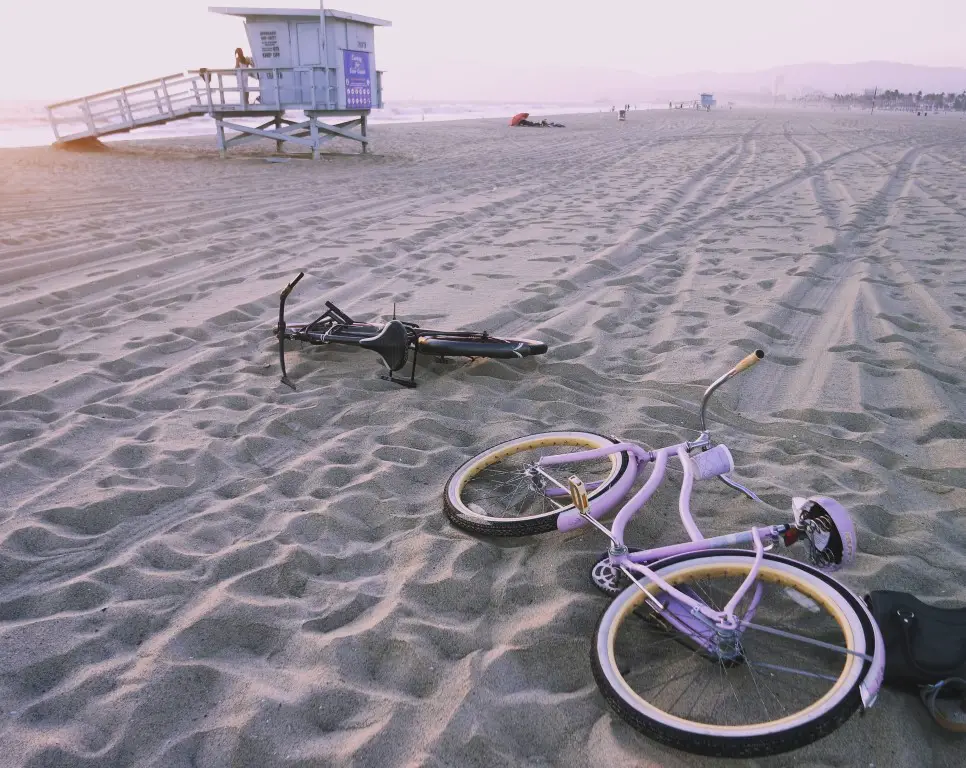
x,y
515,120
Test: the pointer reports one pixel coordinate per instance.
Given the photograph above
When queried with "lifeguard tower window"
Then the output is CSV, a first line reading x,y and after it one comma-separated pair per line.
x,y
322,64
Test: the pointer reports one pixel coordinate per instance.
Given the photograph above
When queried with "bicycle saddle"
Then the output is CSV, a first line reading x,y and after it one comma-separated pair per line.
x,y
391,343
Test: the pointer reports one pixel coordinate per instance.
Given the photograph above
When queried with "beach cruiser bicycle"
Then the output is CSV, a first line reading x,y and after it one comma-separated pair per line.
x,y
707,646
394,340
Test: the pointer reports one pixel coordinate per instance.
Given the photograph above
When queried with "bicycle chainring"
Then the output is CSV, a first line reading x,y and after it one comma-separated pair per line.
x,y
608,578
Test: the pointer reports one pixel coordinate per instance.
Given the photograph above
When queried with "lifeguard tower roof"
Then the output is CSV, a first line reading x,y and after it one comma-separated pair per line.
x,y
304,12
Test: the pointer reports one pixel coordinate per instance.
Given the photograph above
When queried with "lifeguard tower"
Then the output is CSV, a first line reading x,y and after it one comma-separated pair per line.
x,y
320,63
707,100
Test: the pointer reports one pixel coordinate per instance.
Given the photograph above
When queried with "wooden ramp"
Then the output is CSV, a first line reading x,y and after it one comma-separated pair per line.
x,y
220,95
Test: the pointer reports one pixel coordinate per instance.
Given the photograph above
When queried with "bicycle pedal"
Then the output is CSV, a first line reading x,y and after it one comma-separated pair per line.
x,y
578,494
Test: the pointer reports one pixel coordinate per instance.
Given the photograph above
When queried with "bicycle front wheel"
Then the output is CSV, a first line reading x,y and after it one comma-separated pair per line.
x,y
498,493
789,677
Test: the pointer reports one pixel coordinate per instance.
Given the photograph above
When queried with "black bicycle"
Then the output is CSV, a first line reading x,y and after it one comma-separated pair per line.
x,y
393,340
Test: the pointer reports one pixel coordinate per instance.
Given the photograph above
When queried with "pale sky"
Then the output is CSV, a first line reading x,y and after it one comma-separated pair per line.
x,y
445,48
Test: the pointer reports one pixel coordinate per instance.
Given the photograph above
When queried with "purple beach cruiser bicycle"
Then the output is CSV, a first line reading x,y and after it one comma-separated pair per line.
x,y
707,646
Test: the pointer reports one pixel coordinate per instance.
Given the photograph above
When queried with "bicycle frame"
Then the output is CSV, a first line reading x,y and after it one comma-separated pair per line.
x,y
636,562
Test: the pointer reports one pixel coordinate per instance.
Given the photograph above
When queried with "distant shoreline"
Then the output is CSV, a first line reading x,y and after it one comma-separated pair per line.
x,y
38,133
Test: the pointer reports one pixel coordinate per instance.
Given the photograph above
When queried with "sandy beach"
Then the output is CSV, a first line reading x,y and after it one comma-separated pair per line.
x,y
200,567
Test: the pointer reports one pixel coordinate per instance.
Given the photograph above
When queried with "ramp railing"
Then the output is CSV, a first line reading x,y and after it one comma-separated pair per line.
x,y
253,90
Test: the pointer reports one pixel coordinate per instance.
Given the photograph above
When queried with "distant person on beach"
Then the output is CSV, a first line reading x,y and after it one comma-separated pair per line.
x,y
533,124
243,62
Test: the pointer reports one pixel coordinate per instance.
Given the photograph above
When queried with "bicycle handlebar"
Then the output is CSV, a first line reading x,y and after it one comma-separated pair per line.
x,y
744,365
280,328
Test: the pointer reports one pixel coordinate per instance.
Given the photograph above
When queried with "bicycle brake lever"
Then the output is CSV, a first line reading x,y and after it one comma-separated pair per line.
x,y
739,487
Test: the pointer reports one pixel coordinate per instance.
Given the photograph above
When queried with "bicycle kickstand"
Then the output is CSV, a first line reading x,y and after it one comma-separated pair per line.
x,y
411,382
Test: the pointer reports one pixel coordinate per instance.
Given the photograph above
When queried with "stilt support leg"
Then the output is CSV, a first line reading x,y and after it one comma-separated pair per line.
x,y
278,126
220,131
364,144
314,134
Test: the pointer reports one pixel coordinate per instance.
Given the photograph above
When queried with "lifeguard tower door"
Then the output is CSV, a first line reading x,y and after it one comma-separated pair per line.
x,y
309,54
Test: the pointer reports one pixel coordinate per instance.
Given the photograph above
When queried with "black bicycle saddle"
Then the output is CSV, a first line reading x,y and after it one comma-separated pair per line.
x,y
391,343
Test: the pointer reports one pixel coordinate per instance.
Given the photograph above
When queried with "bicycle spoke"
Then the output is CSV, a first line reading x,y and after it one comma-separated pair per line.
x,y
508,488
700,696
790,670
754,680
801,638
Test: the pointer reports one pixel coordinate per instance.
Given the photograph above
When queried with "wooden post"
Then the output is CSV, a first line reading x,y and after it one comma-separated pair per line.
x,y
208,92
167,96
53,122
314,133
88,117
278,127
325,55
127,105
364,144
220,130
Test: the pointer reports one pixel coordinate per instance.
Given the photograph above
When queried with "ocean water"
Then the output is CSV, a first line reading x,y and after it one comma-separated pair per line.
x,y
24,123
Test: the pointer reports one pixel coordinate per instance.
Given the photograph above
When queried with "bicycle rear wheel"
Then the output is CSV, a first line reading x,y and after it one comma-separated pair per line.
x,y
497,493
762,694
479,346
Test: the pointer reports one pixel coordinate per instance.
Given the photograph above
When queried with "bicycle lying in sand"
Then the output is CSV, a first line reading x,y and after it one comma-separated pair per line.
x,y
394,340
707,647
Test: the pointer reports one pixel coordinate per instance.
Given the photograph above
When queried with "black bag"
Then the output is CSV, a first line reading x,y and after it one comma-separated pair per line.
x,y
923,644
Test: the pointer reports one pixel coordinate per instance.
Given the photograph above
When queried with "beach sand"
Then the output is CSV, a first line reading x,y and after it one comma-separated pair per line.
x,y
200,567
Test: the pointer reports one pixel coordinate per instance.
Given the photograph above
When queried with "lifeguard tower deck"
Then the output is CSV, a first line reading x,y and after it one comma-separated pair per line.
x,y
321,64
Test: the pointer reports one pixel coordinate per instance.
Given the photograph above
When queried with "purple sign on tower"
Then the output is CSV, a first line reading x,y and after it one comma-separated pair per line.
x,y
358,84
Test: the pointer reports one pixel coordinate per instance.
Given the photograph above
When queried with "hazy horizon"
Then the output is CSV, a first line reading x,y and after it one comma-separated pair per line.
x,y
435,50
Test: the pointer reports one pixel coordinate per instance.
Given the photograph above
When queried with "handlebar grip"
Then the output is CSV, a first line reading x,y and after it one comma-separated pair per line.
x,y
288,288
749,361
